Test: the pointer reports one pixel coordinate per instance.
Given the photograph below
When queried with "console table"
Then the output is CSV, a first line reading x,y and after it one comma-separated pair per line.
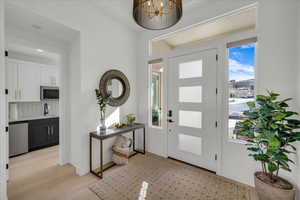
x,y
102,135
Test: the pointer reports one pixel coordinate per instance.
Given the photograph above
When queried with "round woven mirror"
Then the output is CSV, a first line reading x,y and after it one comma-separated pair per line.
x,y
115,84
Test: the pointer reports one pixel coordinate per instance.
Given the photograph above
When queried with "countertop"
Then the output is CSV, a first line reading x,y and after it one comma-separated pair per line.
x,y
33,118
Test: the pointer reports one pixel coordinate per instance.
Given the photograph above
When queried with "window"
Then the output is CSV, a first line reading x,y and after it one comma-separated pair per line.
x,y
241,57
156,94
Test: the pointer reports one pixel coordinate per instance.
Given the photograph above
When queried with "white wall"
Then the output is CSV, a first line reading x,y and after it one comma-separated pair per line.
x,y
276,70
105,44
277,61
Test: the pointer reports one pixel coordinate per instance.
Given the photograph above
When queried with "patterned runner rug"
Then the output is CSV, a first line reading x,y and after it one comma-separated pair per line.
x,y
152,177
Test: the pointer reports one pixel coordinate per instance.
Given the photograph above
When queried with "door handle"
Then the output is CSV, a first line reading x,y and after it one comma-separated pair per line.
x,y
52,130
170,121
48,128
20,94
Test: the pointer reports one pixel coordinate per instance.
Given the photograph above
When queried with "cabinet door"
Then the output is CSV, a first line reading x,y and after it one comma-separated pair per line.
x,y
12,80
49,76
29,82
39,133
54,139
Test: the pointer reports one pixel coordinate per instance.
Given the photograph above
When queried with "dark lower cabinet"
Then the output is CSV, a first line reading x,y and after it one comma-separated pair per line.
x,y
43,133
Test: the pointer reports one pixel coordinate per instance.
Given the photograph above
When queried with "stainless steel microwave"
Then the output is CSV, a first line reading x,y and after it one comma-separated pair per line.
x,y
49,93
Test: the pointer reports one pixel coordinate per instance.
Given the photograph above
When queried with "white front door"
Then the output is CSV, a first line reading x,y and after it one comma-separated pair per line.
x,y
192,100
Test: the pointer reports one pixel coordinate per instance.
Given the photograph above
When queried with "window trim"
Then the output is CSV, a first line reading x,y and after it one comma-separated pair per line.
x,y
241,42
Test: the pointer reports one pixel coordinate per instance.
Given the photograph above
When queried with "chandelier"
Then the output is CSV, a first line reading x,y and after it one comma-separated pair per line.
x,y
157,14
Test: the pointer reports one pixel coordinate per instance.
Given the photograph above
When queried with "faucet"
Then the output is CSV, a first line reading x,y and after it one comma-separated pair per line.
x,y
46,109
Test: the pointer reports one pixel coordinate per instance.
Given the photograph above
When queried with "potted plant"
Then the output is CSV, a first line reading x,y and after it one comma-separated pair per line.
x,y
130,119
102,101
271,131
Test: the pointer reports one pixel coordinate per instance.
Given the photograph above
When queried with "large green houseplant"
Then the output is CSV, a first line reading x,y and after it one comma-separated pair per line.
x,y
272,129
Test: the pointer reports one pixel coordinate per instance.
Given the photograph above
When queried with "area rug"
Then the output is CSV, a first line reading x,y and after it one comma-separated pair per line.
x,y
150,177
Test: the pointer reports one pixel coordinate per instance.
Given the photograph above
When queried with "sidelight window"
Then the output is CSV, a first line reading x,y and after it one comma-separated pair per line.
x,y
156,96
241,85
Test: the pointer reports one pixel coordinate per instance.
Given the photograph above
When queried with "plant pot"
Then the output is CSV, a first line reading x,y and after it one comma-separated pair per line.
x,y
270,191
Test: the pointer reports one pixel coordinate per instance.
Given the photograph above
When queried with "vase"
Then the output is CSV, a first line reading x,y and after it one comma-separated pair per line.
x,y
267,191
102,120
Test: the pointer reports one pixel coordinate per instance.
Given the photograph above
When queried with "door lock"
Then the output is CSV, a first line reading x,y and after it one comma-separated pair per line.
x,y
170,113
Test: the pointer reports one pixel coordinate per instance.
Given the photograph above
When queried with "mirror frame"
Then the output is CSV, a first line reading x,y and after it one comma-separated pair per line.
x,y
115,74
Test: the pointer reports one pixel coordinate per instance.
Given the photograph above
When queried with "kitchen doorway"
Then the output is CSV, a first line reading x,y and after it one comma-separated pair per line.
x,y
38,55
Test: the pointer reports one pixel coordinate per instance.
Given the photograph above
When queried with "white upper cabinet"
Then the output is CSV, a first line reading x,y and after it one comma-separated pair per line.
x,y
12,79
23,80
49,76
29,82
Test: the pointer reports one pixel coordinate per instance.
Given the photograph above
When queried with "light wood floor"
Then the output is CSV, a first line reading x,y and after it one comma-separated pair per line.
x,y
38,176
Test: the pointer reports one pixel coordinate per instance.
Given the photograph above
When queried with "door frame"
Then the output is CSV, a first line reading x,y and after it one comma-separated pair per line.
x,y
222,76
64,128
3,121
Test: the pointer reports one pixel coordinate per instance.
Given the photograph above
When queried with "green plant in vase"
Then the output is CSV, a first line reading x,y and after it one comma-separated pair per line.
x,y
271,130
102,102
130,119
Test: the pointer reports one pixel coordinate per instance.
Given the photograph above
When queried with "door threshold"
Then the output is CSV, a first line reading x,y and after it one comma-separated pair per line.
x,y
210,171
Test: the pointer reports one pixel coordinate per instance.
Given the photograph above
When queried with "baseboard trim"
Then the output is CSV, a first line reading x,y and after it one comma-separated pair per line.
x,y
81,172
213,172
3,187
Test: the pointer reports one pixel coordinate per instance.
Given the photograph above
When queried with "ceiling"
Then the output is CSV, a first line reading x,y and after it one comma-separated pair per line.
x,y
226,25
28,21
218,28
29,51
21,23
121,10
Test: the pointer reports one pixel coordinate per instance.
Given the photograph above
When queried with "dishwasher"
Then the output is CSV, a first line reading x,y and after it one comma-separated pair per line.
x,y
18,139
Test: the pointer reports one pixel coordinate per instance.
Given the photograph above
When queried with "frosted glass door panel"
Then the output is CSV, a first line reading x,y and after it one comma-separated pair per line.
x,y
192,98
190,69
190,144
191,94
190,119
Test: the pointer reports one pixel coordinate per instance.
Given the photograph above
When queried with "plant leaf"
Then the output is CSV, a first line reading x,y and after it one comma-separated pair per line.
x,y
272,167
273,143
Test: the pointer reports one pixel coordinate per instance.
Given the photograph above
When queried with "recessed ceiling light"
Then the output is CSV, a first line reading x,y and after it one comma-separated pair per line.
x,y
36,27
40,50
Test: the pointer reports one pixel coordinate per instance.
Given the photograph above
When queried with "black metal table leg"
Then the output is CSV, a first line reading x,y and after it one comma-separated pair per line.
x,y
133,143
133,140
90,153
100,173
101,158
144,135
